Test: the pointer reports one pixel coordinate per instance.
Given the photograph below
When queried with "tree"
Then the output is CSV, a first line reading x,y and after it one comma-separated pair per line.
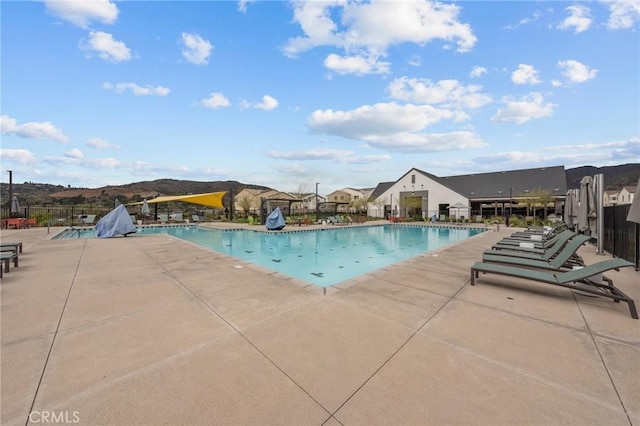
x,y
300,191
358,205
299,194
245,202
537,197
379,203
545,198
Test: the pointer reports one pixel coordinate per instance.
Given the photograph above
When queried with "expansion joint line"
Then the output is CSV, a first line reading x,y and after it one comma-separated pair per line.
x,y
233,327
604,364
55,333
453,296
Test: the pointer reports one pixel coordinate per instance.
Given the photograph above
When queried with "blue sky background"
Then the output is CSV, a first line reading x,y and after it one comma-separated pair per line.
x,y
287,94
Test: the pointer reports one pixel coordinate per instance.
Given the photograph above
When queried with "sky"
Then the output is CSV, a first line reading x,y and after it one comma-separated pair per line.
x,y
289,94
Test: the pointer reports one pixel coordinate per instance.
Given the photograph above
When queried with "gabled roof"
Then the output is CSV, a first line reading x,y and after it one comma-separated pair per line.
x,y
380,189
517,183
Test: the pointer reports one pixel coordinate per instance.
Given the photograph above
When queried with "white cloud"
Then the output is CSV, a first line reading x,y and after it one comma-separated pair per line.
x,y
136,89
528,20
102,163
414,61
365,30
215,100
337,155
525,21
99,143
448,93
196,49
143,168
576,72
477,71
74,153
622,13
393,126
357,64
366,159
378,119
268,103
520,111
81,13
72,158
310,154
106,47
293,169
32,130
579,18
525,74
242,5
580,154
19,156
621,150
428,142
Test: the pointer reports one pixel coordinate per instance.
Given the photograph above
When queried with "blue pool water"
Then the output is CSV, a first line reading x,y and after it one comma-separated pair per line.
x,y
321,257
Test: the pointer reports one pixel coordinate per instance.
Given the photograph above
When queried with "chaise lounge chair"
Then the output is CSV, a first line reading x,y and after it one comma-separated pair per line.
x,y
566,279
89,220
554,244
537,243
564,258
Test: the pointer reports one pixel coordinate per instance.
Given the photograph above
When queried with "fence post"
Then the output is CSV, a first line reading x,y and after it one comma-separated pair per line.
x,y
600,213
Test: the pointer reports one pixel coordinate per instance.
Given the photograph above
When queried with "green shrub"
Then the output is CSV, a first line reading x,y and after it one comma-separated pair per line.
x,y
42,218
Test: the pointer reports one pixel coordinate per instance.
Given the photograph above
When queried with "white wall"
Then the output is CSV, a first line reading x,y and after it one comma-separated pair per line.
x,y
438,194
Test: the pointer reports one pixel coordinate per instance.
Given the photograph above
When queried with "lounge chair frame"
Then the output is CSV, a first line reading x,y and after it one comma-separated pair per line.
x,y
6,258
566,279
11,247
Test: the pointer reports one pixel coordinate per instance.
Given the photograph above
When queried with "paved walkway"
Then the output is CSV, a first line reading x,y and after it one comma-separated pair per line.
x,y
153,330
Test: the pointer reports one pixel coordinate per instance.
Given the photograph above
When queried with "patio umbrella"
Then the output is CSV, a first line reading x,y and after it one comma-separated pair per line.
x,y
145,208
634,211
571,208
458,206
15,205
587,209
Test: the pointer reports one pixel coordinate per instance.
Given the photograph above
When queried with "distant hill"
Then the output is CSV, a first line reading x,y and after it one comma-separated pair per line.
x,y
42,193
615,177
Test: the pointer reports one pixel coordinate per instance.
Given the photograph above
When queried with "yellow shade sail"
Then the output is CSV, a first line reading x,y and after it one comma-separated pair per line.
x,y
211,199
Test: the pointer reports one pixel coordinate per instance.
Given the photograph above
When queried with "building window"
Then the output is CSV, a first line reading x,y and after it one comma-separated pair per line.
x,y
413,178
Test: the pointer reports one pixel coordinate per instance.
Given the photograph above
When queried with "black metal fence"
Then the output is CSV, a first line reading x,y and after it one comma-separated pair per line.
x,y
56,215
621,238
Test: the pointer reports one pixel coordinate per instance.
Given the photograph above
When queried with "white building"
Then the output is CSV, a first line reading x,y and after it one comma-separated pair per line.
x,y
420,194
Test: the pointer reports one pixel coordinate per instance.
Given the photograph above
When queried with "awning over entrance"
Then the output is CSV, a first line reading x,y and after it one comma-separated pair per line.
x,y
211,199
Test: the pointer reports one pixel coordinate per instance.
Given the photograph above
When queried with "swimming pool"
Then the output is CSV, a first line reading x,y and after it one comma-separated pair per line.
x,y
323,257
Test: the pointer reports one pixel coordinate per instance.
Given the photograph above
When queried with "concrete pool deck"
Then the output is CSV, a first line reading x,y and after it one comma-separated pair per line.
x,y
155,330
